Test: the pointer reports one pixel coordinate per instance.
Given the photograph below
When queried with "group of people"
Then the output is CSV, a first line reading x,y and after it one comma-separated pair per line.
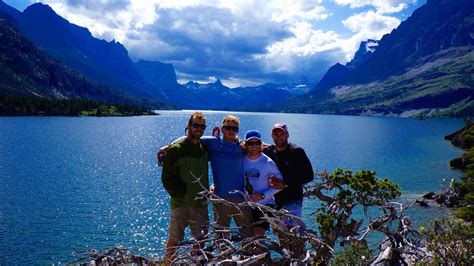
x,y
272,175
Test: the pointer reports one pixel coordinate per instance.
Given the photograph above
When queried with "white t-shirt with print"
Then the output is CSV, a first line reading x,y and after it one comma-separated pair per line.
x,y
258,172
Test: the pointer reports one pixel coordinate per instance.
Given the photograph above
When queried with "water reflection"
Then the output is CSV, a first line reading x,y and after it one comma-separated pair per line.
x,y
82,183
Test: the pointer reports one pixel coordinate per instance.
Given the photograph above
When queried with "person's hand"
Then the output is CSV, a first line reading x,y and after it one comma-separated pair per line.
x,y
216,131
160,155
276,183
325,174
256,197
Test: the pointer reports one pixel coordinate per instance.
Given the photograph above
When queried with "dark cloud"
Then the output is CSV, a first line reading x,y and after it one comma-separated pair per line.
x,y
204,46
264,41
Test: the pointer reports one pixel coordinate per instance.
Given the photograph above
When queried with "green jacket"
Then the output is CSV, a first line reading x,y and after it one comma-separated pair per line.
x,y
183,160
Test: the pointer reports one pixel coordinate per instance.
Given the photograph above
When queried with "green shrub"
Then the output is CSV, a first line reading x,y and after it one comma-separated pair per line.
x,y
451,242
355,254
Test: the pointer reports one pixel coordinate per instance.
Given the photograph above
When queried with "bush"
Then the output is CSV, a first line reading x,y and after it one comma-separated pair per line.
x,y
355,254
451,242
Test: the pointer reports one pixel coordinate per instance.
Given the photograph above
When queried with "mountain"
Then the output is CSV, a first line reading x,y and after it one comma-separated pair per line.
x,y
365,52
26,70
436,26
108,63
425,66
104,62
218,96
158,74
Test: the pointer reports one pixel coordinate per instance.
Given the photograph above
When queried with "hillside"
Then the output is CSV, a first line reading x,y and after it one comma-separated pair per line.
x,y
424,67
25,70
441,87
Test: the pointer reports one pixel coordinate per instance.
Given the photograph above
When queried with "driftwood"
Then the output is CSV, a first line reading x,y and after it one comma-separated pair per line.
x,y
289,245
447,195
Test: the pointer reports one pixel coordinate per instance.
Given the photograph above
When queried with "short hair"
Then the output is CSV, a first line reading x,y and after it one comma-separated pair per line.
x,y
230,118
196,115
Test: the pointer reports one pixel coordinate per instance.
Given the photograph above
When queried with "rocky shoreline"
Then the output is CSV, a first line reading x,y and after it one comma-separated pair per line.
x,y
458,194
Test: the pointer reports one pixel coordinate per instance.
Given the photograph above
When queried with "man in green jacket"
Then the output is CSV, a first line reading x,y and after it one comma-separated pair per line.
x,y
185,161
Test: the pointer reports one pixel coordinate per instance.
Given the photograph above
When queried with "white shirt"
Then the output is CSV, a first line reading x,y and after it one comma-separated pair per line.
x,y
258,172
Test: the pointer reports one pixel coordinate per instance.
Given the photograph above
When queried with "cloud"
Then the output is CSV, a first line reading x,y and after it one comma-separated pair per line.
x,y
381,6
371,23
368,25
235,40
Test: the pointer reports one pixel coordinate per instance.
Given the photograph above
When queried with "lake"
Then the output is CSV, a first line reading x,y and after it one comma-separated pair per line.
x,y
74,183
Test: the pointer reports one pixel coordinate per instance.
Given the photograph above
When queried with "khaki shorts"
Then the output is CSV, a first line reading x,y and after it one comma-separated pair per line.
x,y
243,217
195,217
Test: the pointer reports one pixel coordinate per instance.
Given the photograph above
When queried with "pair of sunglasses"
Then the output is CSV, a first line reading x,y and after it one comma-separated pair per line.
x,y
231,128
253,143
196,125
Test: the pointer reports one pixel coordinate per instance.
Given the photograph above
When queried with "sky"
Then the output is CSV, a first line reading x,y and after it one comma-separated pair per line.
x,y
240,42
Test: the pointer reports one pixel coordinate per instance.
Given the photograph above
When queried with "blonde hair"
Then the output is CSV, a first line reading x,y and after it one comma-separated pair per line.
x,y
230,118
196,115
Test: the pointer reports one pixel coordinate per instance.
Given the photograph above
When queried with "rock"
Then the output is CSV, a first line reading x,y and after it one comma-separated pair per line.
x,y
422,203
429,195
457,163
440,199
454,200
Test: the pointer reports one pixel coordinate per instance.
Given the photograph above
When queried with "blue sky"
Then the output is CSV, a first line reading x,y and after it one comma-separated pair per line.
x,y
242,42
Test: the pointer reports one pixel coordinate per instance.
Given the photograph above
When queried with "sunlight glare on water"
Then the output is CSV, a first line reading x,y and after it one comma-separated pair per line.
x,y
75,183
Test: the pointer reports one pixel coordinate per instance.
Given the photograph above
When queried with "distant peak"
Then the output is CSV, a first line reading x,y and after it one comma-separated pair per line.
x,y
218,82
191,83
39,7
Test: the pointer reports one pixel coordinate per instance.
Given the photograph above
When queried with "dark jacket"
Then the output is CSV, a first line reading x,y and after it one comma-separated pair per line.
x,y
296,169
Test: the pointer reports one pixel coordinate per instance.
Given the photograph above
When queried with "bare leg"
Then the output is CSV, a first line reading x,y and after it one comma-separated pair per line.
x,y
171,251
258,231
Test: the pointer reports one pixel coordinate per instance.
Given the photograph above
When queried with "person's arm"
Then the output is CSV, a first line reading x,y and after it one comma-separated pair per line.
x,y
274,182
161,153
170,178
304,167
268,193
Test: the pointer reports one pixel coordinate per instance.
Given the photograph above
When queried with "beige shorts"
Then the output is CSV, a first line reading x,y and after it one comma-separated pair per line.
x,y
243,217
195,217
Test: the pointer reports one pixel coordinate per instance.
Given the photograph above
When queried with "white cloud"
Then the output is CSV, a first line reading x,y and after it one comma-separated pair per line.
x,y
366,25
289,54
381,6
239,41
371,24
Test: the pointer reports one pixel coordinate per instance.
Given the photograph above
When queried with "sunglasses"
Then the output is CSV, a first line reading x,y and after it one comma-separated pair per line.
x,y
253,143
231,128
200,126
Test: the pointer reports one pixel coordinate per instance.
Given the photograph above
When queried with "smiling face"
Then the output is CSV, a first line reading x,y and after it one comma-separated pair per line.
x,y
196,129
253,148
230,130
280,137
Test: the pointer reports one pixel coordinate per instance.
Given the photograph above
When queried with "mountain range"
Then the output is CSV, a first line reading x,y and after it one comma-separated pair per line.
x,y
423,67
108,64
26,70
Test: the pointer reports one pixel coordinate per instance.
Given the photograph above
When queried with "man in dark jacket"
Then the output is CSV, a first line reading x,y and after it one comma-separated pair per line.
x,y
295,167
185,161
